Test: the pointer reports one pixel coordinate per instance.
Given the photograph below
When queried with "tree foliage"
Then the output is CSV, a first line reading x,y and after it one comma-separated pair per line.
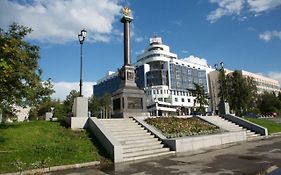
x,y
20,74
68,103
98,104
269,102
240,92
201,96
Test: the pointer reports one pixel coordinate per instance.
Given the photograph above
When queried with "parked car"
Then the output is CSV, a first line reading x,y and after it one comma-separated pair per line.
x,y
271,114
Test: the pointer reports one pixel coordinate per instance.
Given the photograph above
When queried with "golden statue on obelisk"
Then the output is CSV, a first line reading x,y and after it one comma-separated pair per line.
x,y
126,11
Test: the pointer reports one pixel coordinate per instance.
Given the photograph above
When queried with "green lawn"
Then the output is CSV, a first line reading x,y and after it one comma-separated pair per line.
x,y
41,144
172,127
271,126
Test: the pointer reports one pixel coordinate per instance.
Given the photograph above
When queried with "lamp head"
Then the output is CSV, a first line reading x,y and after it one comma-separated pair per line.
x,y
221,65
81,38
216,66
84,33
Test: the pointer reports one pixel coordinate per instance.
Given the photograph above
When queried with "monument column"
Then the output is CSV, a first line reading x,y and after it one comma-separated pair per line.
x,y
128,100
127,45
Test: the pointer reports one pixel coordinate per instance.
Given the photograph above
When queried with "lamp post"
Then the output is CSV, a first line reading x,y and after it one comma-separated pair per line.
x,y
81,37
224,108
221,70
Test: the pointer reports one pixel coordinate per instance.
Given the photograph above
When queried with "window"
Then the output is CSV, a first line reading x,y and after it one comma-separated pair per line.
x,y
161,91
153,91
157,91
176,99
188,100
182,100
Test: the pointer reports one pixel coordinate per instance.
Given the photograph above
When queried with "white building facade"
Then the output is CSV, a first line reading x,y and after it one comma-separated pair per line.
x,y
167,80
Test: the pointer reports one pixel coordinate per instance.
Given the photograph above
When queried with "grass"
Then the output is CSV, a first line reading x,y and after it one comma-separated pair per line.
x,y
41,144
172,127
271,126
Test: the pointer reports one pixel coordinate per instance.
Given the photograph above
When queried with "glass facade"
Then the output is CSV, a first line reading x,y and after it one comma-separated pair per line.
x,y
140,77
157,77
107,86
183,77
157,74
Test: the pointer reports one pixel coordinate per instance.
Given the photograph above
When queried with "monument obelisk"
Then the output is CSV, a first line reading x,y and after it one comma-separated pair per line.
x,y
128,100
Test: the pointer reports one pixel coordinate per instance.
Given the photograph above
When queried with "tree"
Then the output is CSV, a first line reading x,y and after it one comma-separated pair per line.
x,y
201,96
68,103
240,92
98,105
40,110
94,106
279,95
20,74
269,102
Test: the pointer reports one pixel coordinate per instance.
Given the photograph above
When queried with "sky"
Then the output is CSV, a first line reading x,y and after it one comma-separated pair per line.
x,y
244,34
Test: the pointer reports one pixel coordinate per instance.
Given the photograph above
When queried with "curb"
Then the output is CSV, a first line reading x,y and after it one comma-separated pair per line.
x,y
276,134
55,168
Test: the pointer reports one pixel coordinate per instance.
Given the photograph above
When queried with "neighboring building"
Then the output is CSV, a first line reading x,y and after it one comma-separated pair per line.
x,y
108,84
264,84
166,80
21,113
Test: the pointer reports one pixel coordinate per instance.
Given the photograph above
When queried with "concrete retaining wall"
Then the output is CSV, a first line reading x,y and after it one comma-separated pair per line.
x,y
77,122
112,146
192,143
247,124
197,142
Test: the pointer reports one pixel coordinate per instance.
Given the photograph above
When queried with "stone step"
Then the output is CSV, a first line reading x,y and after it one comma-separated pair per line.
x,y
135,138
143,148
137,145
148,156
254,138
125,129
252,135
127,132
124,135
119,124
116,120
146,152
138,141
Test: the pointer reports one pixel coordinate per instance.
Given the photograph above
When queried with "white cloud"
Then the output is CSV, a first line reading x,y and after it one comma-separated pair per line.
x,y
62,89
139,39
61,21
263,5
269,35
226,7
185,51
236,7
196,60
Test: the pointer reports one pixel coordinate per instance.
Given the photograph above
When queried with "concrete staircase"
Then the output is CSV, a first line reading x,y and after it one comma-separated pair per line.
x,y
230,126
137,143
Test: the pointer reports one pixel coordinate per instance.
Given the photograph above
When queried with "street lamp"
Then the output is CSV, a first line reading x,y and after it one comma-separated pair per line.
x,y
81,37
223,104
221,70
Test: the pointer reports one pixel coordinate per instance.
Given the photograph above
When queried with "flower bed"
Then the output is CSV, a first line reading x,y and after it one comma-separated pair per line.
x,y
172,127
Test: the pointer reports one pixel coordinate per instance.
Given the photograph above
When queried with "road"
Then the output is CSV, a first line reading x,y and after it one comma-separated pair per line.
x,y
245,158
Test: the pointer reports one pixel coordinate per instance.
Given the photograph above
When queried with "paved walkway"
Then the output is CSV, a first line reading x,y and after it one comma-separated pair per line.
x,y
247,158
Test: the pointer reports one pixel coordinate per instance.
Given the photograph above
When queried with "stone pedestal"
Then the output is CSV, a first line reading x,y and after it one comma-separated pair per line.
x,y
224,108
80,107
129,102
48,116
